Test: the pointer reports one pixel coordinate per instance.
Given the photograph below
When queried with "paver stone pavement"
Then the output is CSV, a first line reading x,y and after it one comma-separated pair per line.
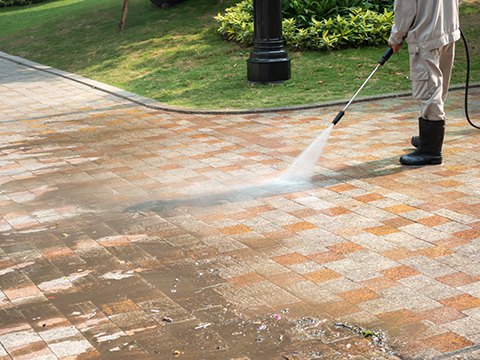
x,y
128,230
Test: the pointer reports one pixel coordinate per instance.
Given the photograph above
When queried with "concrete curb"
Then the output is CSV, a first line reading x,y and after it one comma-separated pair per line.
x,y
152,104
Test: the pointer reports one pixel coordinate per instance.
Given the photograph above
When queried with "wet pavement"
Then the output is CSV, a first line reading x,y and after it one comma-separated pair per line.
x,y
132,232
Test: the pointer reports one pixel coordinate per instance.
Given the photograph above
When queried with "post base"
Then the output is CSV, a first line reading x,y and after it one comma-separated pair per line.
x,y
268,70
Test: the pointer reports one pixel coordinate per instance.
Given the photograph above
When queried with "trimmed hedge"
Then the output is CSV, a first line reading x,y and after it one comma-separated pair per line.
x,y
360,27
4,3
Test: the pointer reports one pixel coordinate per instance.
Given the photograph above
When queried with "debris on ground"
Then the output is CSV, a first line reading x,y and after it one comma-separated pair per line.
x,y
378,338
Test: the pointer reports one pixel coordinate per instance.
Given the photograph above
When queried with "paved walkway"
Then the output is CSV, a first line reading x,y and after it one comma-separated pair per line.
x,y
130,232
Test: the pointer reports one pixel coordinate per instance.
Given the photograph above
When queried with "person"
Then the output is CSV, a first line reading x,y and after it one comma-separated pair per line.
x,y
430,28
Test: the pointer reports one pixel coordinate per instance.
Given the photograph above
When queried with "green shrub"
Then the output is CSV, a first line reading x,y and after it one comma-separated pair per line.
x,y
379,5
304,10
237,22
4,3
359,27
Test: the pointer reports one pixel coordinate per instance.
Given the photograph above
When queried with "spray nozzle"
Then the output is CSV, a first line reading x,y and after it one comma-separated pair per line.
x,y
338,117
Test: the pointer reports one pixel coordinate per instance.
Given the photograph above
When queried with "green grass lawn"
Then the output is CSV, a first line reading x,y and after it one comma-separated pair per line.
x,y
178,58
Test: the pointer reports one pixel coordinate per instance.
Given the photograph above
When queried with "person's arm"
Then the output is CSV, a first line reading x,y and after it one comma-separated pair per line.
x,y
405,12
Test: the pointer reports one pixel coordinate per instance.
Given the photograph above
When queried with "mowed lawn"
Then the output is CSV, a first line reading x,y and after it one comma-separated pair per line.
x,y
177,56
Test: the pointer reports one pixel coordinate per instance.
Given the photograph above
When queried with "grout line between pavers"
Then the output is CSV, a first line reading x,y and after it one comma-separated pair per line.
x,y
152,104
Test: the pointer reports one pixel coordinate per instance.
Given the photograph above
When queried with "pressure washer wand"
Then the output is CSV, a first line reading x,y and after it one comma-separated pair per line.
x,y
382,61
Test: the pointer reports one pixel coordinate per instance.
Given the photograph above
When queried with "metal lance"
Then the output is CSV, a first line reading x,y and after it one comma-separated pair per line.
x,y
381,62
268,62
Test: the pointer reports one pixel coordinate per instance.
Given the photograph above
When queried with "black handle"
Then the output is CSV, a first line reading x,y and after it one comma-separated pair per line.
x,y
386,56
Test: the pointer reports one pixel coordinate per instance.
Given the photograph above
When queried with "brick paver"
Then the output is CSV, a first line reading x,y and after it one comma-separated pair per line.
x,y
132,232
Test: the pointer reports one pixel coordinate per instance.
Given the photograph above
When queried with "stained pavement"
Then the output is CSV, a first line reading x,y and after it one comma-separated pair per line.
x,y
132,232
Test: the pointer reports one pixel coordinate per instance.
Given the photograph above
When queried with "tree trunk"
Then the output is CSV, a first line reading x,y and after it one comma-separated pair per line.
x,y
121,26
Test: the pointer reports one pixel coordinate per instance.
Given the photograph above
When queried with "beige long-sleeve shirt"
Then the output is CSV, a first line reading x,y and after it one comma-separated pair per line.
x,y
425,24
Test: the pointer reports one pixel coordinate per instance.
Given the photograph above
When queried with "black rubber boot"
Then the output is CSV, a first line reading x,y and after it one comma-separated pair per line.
x,y
415,141
429,151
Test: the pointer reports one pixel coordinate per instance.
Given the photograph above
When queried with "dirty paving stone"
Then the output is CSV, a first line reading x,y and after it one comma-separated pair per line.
x,y
131,232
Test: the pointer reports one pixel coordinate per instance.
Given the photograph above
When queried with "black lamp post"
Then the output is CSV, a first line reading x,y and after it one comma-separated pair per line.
x,y
268,62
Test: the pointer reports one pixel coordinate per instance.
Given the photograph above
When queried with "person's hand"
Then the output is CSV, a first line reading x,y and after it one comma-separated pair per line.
x,y
396,48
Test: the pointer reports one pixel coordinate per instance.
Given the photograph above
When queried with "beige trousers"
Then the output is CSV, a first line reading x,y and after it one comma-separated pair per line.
x,y
430,72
